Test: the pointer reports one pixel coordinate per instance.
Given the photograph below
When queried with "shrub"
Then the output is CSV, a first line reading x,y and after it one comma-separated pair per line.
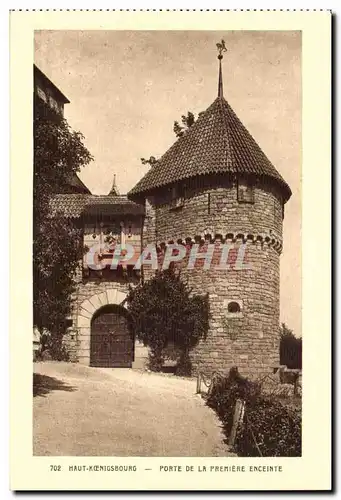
x,y
290,348
276,429
274,426
52,347
164,311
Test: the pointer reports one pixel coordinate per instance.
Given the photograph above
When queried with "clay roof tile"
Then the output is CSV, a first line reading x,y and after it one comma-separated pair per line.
x,y
217,142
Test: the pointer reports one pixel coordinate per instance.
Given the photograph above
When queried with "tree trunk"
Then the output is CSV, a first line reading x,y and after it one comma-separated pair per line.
x,y
156,359
184,367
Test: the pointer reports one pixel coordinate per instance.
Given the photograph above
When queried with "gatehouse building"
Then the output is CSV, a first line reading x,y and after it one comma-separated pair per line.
x,y
214,186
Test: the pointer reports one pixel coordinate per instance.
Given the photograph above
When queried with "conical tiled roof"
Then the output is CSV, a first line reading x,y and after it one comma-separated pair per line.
x,y
217,143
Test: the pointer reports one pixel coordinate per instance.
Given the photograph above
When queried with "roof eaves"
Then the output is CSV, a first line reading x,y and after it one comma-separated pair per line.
x,y
49,82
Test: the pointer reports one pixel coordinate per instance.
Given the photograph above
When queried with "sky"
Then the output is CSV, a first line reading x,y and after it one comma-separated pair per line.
x,y
127,87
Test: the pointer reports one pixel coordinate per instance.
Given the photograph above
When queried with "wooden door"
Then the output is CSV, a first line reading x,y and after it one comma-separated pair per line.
x,y
111,342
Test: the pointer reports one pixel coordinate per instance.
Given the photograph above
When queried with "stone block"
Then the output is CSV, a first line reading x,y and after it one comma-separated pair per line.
x,y
103,298
85,313
86,304
120,297
112,295
95,302
83,322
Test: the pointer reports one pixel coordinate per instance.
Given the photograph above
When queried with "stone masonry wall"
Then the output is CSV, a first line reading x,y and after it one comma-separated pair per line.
x,y
219,211
249,339
79,335
148,233
95,294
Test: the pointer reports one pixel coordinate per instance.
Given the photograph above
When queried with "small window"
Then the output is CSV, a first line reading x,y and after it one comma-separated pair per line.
x,y
176,197
245,192
233,307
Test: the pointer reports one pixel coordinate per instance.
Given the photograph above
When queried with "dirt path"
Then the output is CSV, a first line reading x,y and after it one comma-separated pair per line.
x,y
120,412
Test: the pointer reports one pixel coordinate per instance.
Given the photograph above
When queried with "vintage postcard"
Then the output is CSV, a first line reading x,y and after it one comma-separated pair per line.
x,y
170,190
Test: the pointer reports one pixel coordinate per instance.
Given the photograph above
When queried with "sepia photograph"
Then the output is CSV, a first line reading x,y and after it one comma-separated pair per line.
x,y
170,316
166,252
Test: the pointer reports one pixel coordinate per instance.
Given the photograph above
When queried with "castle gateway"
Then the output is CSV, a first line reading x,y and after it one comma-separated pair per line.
x,y
214,186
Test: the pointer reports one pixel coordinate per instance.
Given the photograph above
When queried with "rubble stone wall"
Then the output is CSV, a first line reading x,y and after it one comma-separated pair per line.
x,y
249,338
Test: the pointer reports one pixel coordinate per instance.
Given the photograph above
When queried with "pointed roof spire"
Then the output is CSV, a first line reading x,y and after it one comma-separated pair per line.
x,y
216,144
220,82
221,48
113,191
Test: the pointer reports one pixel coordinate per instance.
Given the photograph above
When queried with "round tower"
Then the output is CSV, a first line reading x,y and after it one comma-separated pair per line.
x,y
215,192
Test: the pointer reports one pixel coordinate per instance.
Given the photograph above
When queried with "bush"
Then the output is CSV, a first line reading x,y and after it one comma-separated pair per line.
x,y
274,426
163,311
290,348
52,347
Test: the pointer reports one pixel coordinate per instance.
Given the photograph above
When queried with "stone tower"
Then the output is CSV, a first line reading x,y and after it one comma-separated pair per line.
x,y
216,192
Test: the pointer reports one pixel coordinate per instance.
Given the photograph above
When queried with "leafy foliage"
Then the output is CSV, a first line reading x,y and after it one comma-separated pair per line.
x,y
273,425
187,121
179,130
276,427
150,161
163,311
57,242
290,348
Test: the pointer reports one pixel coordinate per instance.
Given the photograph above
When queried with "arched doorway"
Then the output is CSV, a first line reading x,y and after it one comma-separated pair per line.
x,y
111,342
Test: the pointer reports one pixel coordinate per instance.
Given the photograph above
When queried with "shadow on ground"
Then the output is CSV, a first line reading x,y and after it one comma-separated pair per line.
x,y
168,369
42,385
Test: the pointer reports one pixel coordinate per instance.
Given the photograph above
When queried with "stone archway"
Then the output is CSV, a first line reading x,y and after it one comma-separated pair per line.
x,y
87,310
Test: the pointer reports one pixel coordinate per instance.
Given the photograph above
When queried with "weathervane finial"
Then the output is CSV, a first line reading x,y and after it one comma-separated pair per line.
x,y
221,48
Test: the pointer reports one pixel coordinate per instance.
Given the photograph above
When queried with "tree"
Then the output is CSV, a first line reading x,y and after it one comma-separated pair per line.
x,y
179,130
187,121
151,161
290,348
57,241
162,311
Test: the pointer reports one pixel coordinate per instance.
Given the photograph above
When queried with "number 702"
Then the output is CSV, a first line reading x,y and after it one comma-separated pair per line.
x,y
55,468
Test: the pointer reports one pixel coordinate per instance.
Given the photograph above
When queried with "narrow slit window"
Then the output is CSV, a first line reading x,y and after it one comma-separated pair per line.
x,y
176,197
